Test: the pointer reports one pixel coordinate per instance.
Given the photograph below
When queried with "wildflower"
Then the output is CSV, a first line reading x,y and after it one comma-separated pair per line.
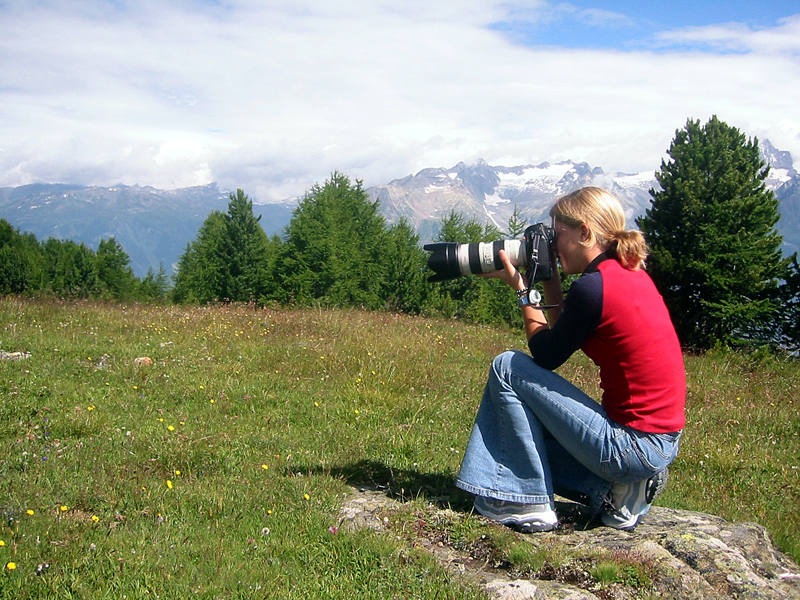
x,y
90,407
160,419
95,518
169,484
265,467
202,387
11,566
2,543
29,512
316,403
136,387
356,411
306,496
333,529
177,472
63,508
170,427
269,511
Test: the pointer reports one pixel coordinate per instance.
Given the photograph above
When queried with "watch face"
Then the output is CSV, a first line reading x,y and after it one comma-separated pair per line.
x,y
534,296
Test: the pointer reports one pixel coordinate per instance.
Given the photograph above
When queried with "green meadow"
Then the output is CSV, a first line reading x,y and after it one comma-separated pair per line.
x,y
218,471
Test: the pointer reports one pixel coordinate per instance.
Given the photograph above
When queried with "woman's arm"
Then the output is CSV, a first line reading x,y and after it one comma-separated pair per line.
x,y
533,318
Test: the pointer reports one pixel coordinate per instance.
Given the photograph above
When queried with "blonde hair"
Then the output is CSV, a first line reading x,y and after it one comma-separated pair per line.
x,y
603,215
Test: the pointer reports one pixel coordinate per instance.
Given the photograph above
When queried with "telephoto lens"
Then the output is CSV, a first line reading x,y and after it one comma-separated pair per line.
x,y
449,259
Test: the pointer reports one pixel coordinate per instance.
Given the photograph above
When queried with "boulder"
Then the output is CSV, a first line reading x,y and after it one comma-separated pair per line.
x,y
687,555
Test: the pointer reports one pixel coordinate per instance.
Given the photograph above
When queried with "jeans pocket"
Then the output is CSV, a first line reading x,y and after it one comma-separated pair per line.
x,y
655,450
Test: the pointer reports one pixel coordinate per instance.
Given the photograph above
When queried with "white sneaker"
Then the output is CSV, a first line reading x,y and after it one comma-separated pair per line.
x,y
629,501
526,517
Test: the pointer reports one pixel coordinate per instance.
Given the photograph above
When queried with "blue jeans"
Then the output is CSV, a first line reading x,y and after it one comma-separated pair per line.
x,y
536,434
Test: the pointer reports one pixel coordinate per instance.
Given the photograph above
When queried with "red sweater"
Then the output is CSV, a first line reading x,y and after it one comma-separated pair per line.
x,y
618,318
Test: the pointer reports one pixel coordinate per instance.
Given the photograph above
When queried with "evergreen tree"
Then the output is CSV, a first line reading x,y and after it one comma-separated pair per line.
x,y
114,274
154,286
405,269
70,269
202,274
714,252
334,248
516,225
14,265
247,250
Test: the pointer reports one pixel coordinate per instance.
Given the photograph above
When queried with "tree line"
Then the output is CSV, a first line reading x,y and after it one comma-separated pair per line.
x,y
66,269
714,254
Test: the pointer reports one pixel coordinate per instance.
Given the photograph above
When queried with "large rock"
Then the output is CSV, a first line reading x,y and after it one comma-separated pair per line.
x,y
689,555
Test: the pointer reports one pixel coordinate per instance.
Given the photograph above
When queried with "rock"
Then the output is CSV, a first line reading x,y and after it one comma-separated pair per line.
x,y
14,355
143,361
689,555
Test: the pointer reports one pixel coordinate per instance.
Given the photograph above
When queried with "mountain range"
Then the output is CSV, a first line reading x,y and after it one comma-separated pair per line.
x,y
154,226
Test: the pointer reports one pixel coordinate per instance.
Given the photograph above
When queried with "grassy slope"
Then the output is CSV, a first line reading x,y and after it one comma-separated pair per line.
x,y
219,469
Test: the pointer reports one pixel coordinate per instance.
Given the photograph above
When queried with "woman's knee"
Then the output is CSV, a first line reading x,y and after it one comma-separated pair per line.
x,y
513,362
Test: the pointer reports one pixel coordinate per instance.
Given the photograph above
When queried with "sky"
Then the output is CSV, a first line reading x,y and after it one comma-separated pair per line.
x,y
274,96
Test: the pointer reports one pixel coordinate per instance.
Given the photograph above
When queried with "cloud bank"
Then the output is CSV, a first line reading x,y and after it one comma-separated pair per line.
x,y
272,98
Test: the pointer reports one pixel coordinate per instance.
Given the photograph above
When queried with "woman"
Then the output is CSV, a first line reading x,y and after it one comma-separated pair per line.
x,y
536,434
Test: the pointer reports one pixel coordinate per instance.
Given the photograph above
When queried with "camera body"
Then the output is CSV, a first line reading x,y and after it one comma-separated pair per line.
x,y
449,259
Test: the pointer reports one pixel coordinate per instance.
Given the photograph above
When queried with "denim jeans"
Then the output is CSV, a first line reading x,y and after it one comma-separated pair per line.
x,y
536,434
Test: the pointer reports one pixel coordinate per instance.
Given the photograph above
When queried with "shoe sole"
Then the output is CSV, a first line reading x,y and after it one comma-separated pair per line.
x,y
653,488
526,522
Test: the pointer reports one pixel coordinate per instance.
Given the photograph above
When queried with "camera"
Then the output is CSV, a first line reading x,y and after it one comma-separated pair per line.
x,y
449,259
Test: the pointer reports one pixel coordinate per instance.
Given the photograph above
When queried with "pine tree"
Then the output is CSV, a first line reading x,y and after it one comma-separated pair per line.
x,y
202,274
714,252
247,250
114,274
334,248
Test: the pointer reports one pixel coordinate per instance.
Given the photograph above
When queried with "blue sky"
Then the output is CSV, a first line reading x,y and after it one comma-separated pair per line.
x,y
628,25
273,96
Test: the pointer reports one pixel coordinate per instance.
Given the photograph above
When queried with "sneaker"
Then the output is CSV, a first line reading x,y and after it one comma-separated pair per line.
x,y
629,501
526,517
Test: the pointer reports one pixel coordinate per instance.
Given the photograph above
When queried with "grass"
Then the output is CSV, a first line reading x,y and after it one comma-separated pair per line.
x,y
219,470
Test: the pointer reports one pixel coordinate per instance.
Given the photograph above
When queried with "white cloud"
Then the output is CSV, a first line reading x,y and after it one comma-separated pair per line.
x,y
737,37
273,98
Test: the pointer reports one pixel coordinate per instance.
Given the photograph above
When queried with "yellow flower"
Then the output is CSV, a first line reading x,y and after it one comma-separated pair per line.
x,y
306,496
177,472
64,508
90,407
202,387
2,543
170,428
316,403
29,512
11,566
95,518
169,484
356,411
265,467
160,419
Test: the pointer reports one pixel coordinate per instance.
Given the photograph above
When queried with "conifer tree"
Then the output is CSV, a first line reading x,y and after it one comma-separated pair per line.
x,y
114,274
335,248
714,252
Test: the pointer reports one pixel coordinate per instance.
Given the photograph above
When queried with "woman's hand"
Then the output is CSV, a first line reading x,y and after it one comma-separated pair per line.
x,y
509,273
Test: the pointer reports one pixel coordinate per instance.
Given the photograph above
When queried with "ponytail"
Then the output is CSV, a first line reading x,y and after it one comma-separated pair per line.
x,y
629,248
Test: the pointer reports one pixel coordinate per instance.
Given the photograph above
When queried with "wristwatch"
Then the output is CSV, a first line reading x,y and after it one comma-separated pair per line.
x,y
528,297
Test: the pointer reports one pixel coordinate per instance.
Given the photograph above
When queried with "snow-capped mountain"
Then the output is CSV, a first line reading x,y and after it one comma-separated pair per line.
x,y
489,193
